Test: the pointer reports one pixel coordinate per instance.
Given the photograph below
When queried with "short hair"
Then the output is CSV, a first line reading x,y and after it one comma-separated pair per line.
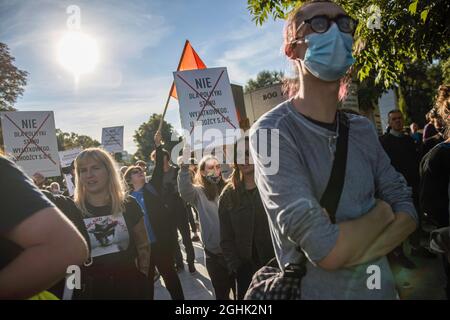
x,y
127,175
55,184
395,111
139,162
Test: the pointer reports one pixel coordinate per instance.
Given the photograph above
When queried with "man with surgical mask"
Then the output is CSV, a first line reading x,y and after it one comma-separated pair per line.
x,y
375,211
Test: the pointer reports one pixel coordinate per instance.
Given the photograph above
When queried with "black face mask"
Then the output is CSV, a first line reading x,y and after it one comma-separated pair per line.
x,y
213,179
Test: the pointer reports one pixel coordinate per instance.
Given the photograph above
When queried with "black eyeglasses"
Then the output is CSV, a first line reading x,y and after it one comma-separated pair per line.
x,y
321,24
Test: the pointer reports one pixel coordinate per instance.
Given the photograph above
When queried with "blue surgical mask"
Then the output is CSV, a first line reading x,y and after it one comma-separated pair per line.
x,y
329,54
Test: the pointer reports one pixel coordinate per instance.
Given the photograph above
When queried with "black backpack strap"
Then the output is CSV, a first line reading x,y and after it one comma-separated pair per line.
x,y
332,194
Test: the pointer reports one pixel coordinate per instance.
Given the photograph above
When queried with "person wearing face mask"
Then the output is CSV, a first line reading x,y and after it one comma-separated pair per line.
x,y
203,194
374,210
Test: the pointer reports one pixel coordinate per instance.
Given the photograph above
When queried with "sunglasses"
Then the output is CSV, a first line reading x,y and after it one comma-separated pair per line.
x,y
136,171
321,23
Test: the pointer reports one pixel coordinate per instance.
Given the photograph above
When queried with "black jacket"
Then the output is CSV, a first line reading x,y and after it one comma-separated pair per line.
x,y
159,208
244,228
405,158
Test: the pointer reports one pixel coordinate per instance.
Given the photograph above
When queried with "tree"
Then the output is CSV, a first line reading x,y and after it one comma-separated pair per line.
x,y
407,31
144,137
12,80
263,79
446,71
12,83
418,87
72,140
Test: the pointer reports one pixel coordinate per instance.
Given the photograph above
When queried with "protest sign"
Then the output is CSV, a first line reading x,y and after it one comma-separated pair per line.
x,y
207,108
67,156
30,141
112,139
263,100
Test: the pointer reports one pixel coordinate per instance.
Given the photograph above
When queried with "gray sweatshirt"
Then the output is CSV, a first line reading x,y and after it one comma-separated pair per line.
x,y
208,211
291,197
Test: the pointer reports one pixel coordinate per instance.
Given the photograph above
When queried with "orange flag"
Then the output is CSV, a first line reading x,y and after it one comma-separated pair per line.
x,y
189,61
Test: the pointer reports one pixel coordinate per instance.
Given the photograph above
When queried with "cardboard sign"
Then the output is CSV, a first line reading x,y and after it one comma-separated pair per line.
x,y
112,139
207,108
263,100
30,141
67,156
69,184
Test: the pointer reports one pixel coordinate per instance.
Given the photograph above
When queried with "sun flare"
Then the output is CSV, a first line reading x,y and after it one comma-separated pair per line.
x,y
78,53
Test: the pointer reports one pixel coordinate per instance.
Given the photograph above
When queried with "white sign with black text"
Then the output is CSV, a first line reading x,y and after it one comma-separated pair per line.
x,y
207,108
112,139
30,141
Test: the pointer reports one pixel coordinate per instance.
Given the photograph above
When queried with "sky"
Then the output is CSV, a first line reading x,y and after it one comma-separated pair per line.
x,y
139,45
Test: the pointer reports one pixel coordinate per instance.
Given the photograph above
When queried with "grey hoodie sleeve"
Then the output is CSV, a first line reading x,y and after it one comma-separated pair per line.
x,y
287,196
187,191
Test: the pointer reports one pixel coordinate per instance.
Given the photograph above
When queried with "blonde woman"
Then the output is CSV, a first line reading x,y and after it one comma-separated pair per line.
x,y
113,226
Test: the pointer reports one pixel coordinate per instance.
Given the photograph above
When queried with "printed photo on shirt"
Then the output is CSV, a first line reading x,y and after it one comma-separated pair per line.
x,y
107,235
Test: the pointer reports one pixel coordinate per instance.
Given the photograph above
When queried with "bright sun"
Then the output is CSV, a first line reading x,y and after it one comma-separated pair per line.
x,y
78,53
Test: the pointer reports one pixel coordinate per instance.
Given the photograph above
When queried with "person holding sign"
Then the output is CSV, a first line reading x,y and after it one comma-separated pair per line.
x,y
203,194
160,221
333,160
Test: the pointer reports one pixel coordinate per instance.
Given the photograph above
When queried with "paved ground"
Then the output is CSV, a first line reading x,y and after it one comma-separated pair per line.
x,y
195,287
425,282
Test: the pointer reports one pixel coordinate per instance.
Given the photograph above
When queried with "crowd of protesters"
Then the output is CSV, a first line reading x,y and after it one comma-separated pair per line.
x,y
121,226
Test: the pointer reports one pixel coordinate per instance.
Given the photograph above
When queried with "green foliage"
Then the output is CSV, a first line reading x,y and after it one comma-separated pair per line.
x,y
144,137
446,71
418,85
12,80
72,140
409,31
263,79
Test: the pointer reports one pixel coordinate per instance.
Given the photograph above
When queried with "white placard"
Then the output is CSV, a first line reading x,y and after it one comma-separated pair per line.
x,y
30,141
112,139
263,100
69,184
206,122
67,156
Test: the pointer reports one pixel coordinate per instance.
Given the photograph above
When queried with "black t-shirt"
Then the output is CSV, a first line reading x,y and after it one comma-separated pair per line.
x,y
111,272
435,184
405,157
111,237
19,199
328,126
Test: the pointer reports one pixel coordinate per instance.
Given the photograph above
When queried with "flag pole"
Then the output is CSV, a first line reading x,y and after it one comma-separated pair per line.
x,y
171,88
